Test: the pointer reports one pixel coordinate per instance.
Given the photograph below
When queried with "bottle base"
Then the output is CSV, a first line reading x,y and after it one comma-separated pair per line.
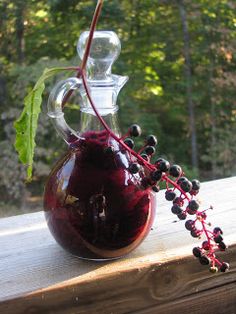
x,y
98,260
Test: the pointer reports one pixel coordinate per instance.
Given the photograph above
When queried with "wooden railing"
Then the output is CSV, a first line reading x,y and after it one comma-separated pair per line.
x,y
161,276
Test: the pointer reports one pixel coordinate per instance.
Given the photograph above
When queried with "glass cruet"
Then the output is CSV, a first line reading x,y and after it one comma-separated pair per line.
x,y
94,207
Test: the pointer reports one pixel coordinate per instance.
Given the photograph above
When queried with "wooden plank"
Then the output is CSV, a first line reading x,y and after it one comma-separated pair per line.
x,y
37,276
220,300
134,289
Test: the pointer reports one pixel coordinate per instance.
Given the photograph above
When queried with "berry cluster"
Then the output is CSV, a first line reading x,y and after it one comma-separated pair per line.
x,y
180,191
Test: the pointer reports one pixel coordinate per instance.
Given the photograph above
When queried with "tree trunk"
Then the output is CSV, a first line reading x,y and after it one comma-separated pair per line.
x,y
213,126
19,24
188,77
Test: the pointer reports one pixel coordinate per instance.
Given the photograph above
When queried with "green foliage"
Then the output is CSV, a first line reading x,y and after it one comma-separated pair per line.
x,y
26,124
152,56
26,127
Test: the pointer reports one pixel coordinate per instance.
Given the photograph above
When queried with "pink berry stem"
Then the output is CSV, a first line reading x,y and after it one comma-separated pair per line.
x,y
124,136
206,231
131,152
141,149
82,74
96,15
106,127
167,179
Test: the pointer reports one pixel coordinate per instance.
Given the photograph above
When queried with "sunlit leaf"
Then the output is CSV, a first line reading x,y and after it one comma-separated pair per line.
x,y
26,124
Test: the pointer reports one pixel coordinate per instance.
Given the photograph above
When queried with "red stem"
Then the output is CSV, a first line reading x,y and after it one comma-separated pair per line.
x,y
106,127
96,15
211,248
149,166
206,232
145,163
167,179
120,141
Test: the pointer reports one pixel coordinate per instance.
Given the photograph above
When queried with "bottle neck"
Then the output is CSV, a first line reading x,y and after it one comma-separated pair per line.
x,y
90,122
103,96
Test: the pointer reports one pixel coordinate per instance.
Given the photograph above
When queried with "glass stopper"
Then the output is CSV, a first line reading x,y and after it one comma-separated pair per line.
x,y
105,49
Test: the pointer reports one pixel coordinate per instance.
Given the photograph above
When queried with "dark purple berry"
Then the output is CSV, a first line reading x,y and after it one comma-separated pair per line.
x,y
182,215
186,186
144,156
135,130
179,201
134,167
191,211
189,225
170,195
150,150
217,230
193,205
158,161
164,165
129,142
218,239
205,245
176,209
222,246
151,140
156,188
194,192
156,175
224,267
175,171
204,260
195,185
197,252
182,179
195,233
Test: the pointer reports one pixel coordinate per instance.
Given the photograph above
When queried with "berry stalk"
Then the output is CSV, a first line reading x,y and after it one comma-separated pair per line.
x,y
94,22
161,172
106,127
153,174
96,15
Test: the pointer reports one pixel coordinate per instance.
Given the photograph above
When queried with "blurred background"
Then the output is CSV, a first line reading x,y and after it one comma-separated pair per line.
x,y
180,56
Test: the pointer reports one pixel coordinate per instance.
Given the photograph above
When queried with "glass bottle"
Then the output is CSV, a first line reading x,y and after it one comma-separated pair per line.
x,y
94,207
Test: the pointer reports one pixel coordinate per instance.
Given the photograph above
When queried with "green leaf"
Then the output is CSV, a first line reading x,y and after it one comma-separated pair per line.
x,y
26,124
47,73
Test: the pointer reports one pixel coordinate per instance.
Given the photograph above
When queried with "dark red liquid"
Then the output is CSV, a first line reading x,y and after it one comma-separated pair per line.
x,y
94,207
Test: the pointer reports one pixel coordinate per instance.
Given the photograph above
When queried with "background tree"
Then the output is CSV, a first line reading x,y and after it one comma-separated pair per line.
x,y
179,55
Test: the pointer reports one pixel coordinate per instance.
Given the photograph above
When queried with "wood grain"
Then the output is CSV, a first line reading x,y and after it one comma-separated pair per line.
x,y
37,276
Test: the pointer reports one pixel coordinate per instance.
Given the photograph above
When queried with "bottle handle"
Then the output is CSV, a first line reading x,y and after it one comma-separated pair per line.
x,y
55,108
